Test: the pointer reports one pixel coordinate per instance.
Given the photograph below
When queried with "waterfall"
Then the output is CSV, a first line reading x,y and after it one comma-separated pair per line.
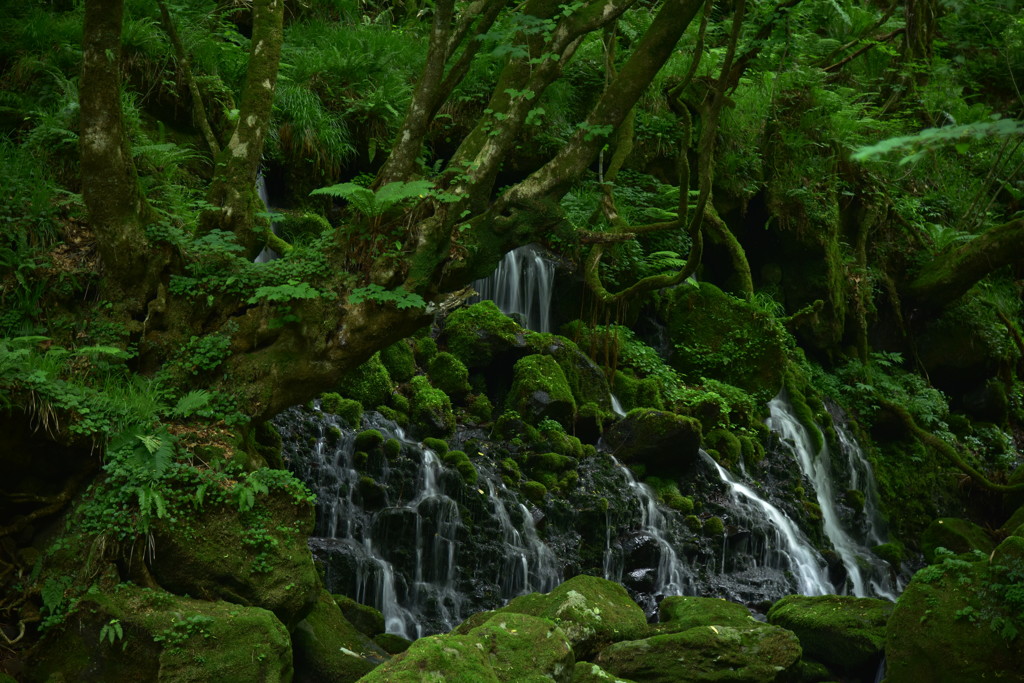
x,y
522,285
266,254
785,547
866,573
617,406
672,576
389,529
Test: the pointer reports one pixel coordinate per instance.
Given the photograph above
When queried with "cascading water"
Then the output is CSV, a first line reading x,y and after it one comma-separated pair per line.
x,y
389,529
866,573
522,285
671,575
775,543
266,254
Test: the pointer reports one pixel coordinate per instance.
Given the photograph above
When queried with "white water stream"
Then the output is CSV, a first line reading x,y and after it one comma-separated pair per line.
x,y
522,284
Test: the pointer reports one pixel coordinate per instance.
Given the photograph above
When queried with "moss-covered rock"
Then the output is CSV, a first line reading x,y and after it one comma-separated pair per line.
x,y
459,461
392,643
592,612
665,443
540,391
1014,523
399,361
431,409
505,647
258,557
368,439
478,333
586,379
679,613
367,619
128,633
449,374
329,649
348,409
843,632
957,535
717,335
958,621
754,653
588,672
370,383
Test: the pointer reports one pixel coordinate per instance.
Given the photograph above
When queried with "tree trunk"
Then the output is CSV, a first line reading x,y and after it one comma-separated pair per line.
x,y
233,191
950,274
110,188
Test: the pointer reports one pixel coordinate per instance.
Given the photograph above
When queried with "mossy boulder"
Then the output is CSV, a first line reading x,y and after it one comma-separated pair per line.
x,y
845,633
431,409
679,613
756,653
392,643
478,333
591,611
505,647
1014,523
717,335
586,379
367,619
348,409
960,620
588,672
955,534
129,633
540,391
258,557
399,361
664,442
449,374
370,383
329,649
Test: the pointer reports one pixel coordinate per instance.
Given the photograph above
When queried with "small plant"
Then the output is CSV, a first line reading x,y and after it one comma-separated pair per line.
x,y
112,631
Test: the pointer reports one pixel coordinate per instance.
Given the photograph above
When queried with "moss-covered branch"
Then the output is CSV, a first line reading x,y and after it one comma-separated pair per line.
x,y
950,274
946,450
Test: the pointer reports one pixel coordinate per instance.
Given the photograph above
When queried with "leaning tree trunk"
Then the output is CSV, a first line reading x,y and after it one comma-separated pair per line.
x,y
233,192
110,188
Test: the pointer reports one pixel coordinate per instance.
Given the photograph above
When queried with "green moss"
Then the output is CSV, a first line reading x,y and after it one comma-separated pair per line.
x,y
367,619
431,408
540,391
728,446
534,491
368,439
370,383
956,535
477,333
480,407
328,647
843,632
392,448
680,613
665,443
460,462
425,348
439,446
348,409
693,523
717,335
399,360
449,374
392,643
893,552
714,526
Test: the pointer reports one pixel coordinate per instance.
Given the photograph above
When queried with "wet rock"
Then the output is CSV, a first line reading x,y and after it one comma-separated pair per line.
x,y
757,653
591,611
505,647
680,613
128,633
960,621
845,633
258,557
328,648
665,442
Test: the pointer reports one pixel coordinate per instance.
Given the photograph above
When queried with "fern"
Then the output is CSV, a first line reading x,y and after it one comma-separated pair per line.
x,y
191,403
374,204
401,298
